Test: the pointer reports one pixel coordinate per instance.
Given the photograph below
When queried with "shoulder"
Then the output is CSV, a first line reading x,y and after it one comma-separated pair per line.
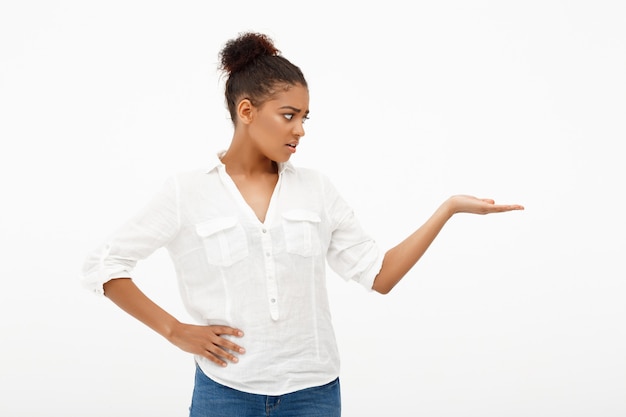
x,y
312,181
177,181
190,176
198,173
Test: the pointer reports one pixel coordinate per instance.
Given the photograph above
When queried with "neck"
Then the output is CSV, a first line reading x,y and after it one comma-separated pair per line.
x,y
245,160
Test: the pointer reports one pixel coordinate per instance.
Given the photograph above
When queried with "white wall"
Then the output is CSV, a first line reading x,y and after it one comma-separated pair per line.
x,y
516,314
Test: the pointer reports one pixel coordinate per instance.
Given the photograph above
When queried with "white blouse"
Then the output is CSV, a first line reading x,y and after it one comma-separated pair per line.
x,y
266,278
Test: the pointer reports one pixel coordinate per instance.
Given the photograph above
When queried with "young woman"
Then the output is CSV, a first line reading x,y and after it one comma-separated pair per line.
x,y
250,238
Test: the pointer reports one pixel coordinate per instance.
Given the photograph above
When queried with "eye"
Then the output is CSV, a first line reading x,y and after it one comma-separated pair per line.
x,y
290,116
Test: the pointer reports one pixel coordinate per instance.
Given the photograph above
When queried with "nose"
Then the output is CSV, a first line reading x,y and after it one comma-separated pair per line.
x,y
298,130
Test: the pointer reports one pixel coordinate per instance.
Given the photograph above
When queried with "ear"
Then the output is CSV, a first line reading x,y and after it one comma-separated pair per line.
x,y
245,111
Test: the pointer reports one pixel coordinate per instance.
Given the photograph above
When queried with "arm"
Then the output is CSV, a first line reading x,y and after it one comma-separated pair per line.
x,y
401,258
200,340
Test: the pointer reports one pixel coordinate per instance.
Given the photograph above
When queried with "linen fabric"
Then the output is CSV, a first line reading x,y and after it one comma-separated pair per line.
x,y
266,278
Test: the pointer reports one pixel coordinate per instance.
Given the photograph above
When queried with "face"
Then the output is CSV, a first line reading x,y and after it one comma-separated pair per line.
x,y
277,125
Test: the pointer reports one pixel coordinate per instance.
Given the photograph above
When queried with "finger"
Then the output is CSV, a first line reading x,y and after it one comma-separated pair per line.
x,y
510,207
507,207
227,344
221,342
218,331
224,354
219,356
226,330
214,358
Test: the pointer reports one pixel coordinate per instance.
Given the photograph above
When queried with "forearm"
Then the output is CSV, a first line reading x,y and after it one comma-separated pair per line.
x,y
401,258
131,299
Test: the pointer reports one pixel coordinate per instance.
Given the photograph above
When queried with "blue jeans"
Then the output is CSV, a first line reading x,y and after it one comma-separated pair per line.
x,y
211,399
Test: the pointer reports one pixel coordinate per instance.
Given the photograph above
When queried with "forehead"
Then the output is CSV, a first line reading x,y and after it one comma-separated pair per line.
x,y
292,95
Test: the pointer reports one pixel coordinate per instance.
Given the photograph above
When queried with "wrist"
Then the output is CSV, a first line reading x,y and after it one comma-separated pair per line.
x,y
170,328
449,207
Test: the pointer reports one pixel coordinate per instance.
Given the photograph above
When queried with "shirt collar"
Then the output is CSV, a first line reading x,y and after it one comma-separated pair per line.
x,y
215,162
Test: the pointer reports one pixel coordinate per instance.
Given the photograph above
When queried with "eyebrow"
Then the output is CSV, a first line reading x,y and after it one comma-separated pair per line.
x,y
295,109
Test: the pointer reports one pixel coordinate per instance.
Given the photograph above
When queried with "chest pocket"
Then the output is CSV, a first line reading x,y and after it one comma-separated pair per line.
x,y
224,240
301,228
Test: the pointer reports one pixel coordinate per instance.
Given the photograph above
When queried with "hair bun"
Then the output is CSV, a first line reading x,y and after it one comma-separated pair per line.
x,y
240,52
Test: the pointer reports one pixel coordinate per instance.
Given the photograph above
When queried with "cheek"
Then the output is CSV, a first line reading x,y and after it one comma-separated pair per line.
x,y
269,126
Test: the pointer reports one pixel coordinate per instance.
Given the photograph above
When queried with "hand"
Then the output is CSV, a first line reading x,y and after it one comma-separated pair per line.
x,y
207,341
469,204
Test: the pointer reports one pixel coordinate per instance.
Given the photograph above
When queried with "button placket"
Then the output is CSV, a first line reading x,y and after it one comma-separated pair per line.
x,y
270,271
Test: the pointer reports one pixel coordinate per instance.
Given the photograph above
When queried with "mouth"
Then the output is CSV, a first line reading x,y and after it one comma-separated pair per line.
x,y
292,147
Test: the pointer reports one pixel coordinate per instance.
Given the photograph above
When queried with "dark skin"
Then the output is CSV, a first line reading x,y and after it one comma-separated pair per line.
x,y
263,136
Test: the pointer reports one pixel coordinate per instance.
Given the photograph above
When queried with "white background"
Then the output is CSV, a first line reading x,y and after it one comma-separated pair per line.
x,y
515,314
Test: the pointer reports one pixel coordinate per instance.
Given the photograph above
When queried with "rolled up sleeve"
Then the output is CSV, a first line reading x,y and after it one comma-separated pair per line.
x,y
150,229
352,253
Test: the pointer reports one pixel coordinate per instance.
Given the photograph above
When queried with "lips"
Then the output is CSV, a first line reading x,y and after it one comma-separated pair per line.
x,y
292,147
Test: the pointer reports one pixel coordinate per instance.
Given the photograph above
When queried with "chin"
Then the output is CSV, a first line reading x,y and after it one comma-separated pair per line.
x,y
281,159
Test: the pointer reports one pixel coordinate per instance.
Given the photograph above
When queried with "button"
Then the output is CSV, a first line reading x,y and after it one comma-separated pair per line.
x,y
264,230
267,254
273,300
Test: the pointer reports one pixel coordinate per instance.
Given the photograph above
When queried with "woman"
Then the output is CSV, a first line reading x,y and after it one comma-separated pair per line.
x,y
250,238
